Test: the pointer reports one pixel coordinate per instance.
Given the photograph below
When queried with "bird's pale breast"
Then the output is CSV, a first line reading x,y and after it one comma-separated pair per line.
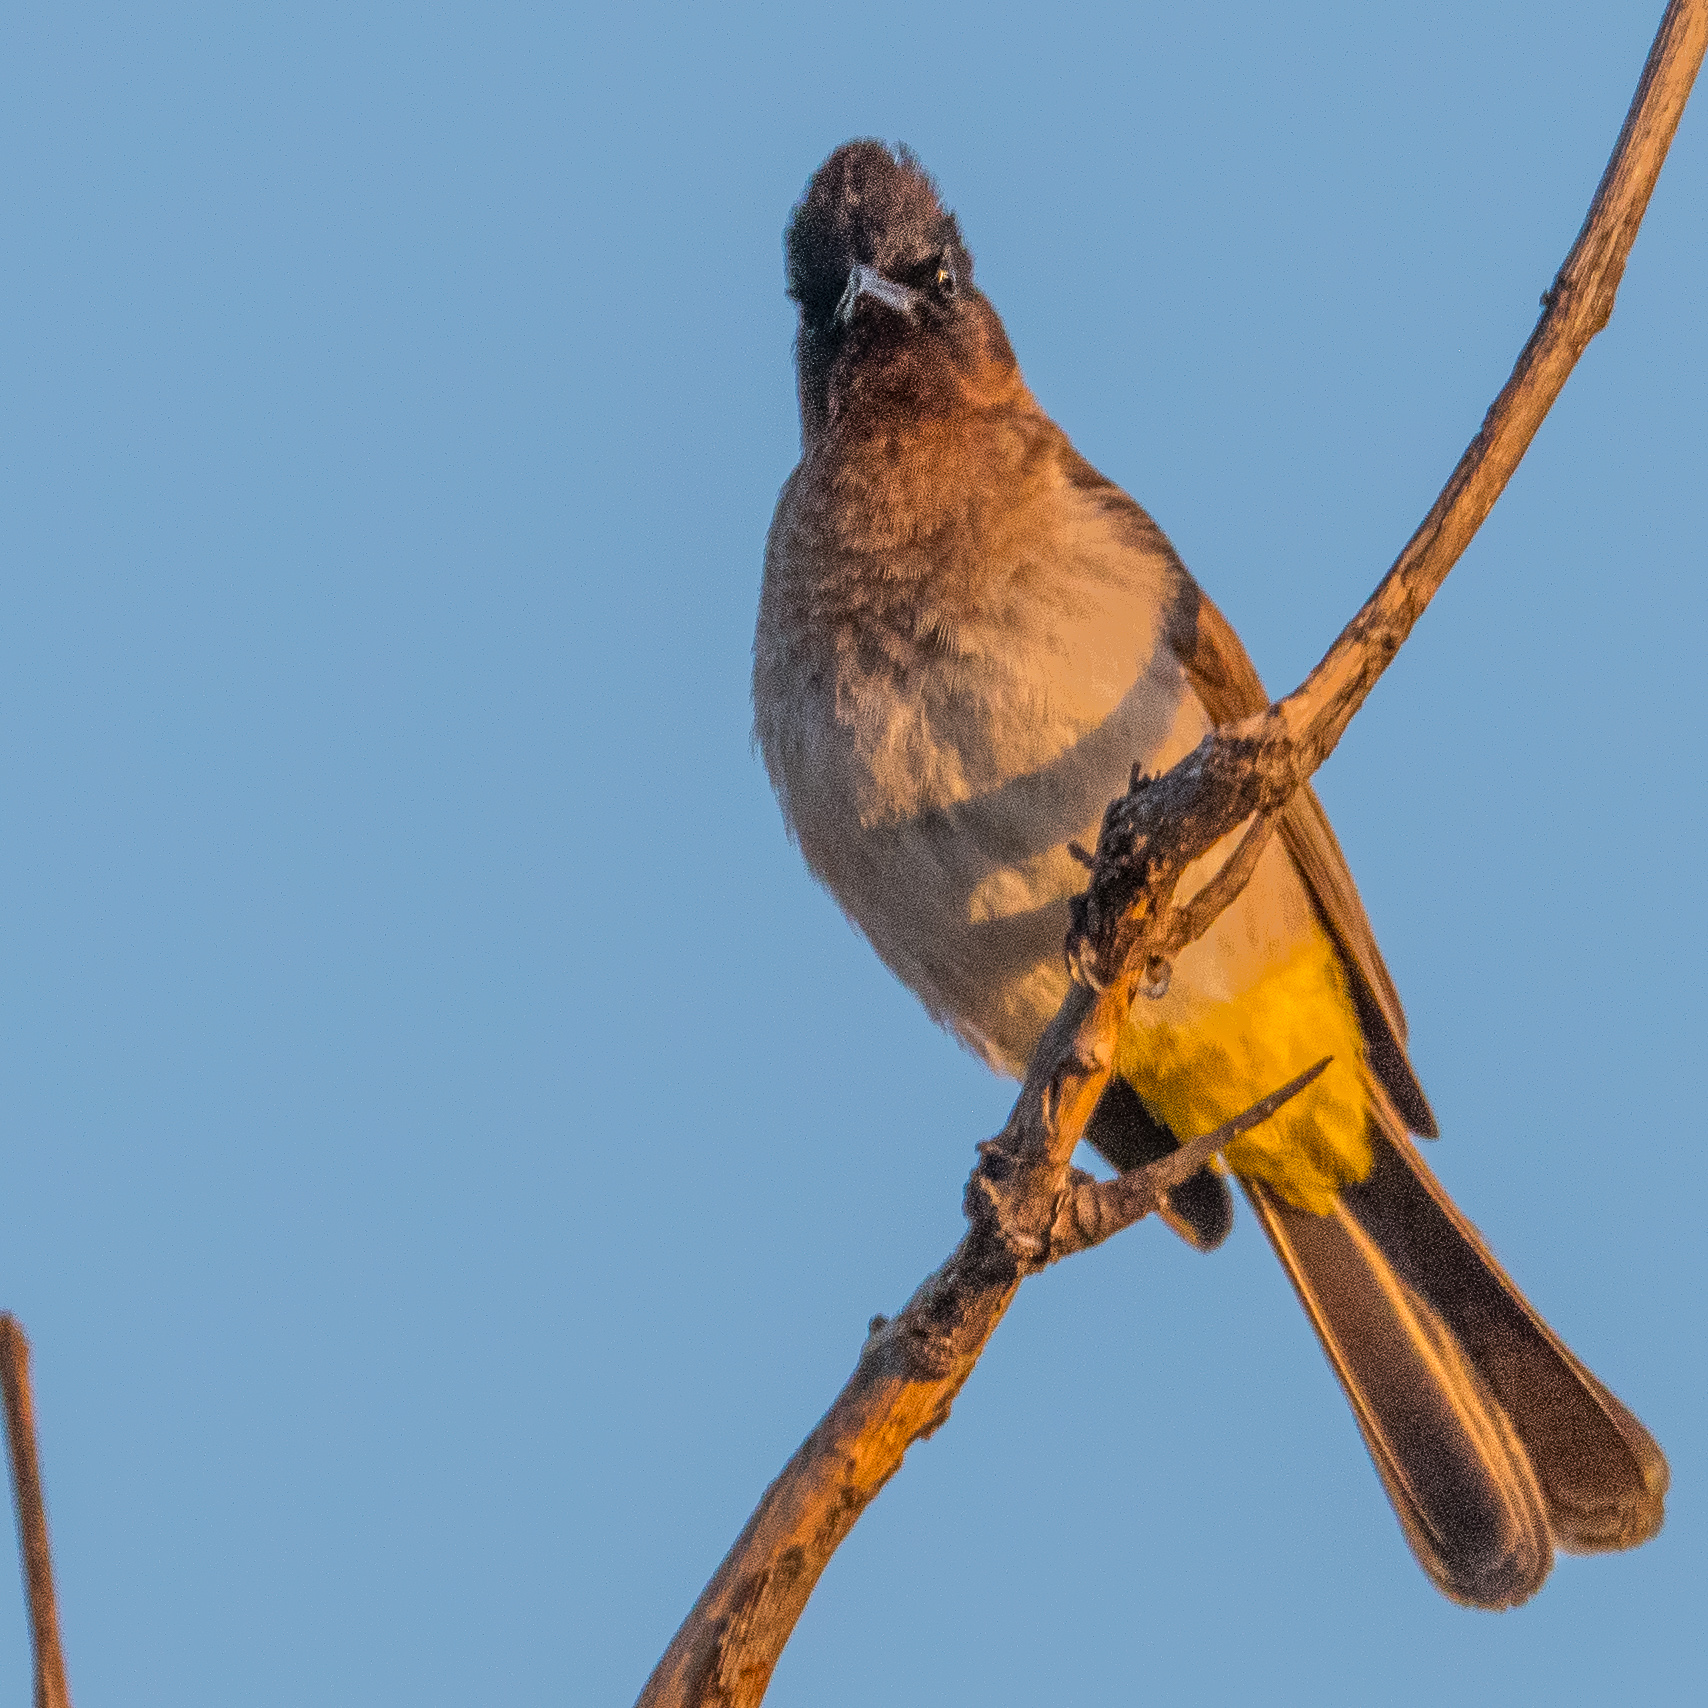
x,y
937,741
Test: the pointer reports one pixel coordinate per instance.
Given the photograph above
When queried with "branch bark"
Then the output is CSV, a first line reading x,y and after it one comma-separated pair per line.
x,y
1252,767
51,1690
911,1369
1025,1204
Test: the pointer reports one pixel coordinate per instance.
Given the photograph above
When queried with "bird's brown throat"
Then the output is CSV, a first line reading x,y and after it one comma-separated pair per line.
x,y
929,434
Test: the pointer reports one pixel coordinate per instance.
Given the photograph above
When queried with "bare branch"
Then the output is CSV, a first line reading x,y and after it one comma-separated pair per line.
x,y
910,1371
1125,923
1025,1205
51,1690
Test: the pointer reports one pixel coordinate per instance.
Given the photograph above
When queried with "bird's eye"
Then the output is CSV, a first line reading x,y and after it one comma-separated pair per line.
x,y
945,282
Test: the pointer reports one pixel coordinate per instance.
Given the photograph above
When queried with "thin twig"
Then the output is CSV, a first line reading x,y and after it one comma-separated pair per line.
x,y
1096,1210
51,1690
1125,930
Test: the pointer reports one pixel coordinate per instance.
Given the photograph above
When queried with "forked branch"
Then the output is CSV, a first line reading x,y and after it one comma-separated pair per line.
x,y
1025,1204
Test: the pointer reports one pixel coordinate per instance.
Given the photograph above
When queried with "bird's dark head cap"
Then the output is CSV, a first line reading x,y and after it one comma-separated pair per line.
x,y
867,205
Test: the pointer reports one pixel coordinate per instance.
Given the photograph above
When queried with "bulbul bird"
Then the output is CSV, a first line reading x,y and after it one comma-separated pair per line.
x,y
967,636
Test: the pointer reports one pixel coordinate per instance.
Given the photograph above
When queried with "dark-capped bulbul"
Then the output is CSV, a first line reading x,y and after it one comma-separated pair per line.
x,y
967,637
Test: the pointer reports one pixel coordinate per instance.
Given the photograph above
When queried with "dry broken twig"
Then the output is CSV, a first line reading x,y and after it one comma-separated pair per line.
x,y
1025,1205
51,1691
1093,1210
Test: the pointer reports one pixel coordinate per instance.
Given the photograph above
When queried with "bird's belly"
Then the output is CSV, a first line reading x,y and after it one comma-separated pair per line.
x,y
967,900
957,868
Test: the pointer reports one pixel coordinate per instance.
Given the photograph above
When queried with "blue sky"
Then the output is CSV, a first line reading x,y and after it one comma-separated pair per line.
x,y
452,1150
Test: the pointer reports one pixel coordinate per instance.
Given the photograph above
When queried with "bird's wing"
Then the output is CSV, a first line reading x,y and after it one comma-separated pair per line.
x,y
1226,681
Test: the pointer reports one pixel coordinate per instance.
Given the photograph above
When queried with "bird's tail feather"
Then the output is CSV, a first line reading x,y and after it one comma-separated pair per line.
x,y
1494,1442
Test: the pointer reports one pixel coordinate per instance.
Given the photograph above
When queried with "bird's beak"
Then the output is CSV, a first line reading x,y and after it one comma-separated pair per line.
x,y
866,281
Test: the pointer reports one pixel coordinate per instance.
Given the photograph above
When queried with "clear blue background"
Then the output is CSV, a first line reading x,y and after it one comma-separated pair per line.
x,y
451,1150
